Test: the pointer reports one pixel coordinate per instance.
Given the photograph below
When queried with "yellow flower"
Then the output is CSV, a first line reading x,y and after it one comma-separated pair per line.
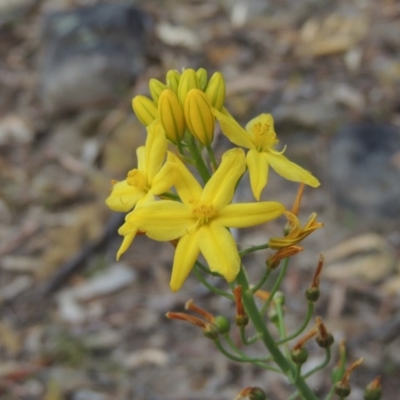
x,y
149,179
296,233
200,221
260,137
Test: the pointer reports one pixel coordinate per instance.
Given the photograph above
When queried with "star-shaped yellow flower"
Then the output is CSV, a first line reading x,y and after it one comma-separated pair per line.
x,y
260,138
149,179
200,221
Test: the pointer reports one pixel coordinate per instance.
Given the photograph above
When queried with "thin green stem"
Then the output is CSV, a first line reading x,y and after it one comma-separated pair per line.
x,y
320,366
212,157
180,148
303,326
258,321
243,359
198,159
281,327
208,285
330,393
252,249
261,281
277,285
169,195
236,349
250,340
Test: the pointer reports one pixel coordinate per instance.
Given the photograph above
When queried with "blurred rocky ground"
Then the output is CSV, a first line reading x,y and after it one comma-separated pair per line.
x,y
329,72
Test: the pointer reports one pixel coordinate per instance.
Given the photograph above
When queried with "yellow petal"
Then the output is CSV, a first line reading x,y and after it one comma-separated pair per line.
x,y
186,255
126,242
123,197
156,148
266,120
202,77
186,185
257,163
233,131
243,215
172,79
291,171
141,158
220,189
164,179
219,249
161,220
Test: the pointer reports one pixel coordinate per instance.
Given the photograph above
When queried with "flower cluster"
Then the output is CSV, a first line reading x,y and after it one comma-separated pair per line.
x,y
163,197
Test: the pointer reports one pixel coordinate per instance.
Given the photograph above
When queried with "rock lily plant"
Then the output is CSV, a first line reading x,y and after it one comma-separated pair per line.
x,y
165,200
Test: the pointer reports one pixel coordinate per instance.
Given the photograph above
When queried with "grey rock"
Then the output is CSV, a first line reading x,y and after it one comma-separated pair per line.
x,y
364,170
91,55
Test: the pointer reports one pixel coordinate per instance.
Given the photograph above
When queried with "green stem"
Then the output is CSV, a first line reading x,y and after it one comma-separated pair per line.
x,y
320,366
252,249
303,326
258,321
169,195
244,359
207,270
281,327
277,285
331,393
294,396
212,157
198,159
208,285
261,281
250,340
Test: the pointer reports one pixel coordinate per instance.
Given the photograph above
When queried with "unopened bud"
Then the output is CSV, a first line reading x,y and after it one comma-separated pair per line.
x,y
172,79
156,87
299,355
145,110
374,390
202,77
216,90
188,81
198,116
171,116
222,323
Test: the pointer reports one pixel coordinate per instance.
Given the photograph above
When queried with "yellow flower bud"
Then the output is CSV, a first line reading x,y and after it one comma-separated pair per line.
x,y
171,116
145,110
198,116
216,89
202,76
173,78
188,81
156,87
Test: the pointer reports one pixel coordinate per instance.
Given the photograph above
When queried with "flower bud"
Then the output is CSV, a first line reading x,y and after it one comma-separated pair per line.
x,y
156,87
202,77
145,110
222,323
216,90
198,116
188,81
173,77
171,116
299,355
